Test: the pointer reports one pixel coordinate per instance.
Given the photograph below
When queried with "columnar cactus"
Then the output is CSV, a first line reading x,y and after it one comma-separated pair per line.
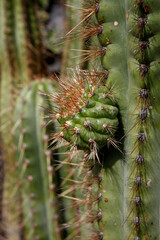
x,y
21,62
129,35
97,191
137,180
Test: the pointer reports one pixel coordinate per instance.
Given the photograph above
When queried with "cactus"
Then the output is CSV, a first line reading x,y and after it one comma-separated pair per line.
x,y
130,180
144,134
34,164
136,206
20,62
104,192
20,59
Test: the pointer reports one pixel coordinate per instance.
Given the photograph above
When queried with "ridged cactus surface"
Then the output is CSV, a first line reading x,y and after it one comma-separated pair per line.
x,y
20,62
99,179
131,204
112,17
143,141
129,180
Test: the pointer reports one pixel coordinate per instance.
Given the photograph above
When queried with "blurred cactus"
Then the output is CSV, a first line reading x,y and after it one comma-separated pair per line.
x,y
20,58
21,61
34,164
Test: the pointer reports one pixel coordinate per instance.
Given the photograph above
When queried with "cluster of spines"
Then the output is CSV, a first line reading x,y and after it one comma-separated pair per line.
x,y
87,113
85,30
137,213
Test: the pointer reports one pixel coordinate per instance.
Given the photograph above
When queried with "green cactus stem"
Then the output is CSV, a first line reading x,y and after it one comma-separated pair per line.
x,y
112,17
130,199
32,209
143,141
103,193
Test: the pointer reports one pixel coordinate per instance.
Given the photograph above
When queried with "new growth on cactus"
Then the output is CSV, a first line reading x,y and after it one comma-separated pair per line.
x,y
86,111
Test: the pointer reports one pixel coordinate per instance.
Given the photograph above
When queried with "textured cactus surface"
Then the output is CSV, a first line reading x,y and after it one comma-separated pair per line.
x,y
102,181
130,180
131,197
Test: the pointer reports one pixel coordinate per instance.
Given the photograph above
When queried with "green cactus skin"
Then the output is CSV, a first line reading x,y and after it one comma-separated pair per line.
x,y
80,194
34,170
12,54
122,200
145,77
20,63
15,39
123,217
112,16
80,184
102,127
